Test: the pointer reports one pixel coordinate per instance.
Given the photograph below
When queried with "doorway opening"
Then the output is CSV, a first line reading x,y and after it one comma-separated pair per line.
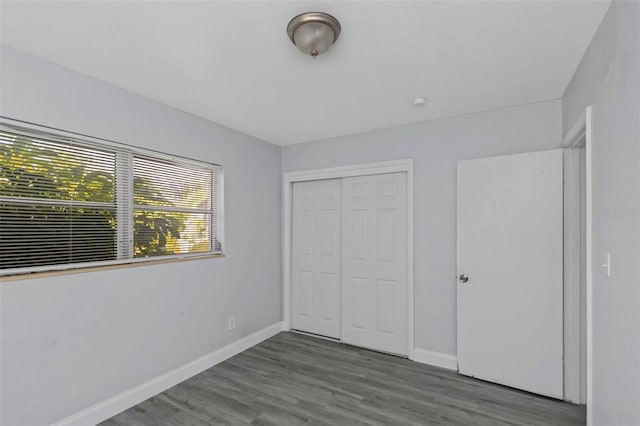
x,y
578,262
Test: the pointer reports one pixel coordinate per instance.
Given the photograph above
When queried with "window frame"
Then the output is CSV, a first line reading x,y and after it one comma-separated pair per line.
x,y
125,153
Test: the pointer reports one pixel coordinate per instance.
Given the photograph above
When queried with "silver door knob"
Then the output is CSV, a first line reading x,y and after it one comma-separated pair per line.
x,y
464,278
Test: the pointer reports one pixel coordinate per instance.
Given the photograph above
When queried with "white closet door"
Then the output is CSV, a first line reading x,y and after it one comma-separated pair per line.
x,y
374,264
316,257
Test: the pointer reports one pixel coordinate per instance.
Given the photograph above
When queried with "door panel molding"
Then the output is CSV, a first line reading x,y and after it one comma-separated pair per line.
x,y
378,261
316,257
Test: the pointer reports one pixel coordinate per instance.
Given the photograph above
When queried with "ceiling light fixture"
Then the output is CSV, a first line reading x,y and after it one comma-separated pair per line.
x,y
313,32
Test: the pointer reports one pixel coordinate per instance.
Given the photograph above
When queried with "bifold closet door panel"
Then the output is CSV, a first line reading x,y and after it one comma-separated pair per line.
x,y
374,264
315,260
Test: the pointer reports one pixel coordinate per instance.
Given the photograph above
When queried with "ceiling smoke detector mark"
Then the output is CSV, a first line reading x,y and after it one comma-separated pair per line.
x,y
420,101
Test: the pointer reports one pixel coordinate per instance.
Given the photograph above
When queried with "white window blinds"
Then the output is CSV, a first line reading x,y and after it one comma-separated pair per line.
x,y
68,202
173,207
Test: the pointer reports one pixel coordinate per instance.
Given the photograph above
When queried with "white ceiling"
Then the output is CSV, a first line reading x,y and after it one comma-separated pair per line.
x,y
231,61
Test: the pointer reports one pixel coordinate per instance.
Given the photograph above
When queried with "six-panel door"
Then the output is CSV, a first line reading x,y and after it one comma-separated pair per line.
x,y
374,293
316,244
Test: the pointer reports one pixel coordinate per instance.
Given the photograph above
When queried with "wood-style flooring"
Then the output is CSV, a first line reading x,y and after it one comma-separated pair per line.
x,y
292,379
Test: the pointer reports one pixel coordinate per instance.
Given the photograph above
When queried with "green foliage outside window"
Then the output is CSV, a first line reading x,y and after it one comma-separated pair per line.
x,y
35,170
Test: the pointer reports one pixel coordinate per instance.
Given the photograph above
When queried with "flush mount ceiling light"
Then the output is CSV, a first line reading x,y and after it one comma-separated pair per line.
x,y
313,32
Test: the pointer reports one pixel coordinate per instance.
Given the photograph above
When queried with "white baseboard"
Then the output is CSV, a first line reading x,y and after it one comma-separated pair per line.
x,y
437,359
117,404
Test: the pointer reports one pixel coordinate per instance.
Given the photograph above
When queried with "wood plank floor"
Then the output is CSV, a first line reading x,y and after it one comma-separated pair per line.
x,y
292,379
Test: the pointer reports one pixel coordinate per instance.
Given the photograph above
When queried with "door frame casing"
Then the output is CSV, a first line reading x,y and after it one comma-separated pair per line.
x,y
580,131
392,166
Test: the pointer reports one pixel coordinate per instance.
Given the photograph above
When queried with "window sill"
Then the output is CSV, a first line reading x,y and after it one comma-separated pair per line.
x,y
78,270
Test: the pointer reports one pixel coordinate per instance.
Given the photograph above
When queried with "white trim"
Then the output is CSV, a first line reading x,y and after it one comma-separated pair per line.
x,y
579,129
582,129
410,270
127,399
26,271
393,166
317,336
437,359
589,255
219,211
572,276
378,168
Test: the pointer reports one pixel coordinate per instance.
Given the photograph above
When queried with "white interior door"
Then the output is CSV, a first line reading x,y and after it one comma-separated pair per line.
x,y
510,247
315,260
374,293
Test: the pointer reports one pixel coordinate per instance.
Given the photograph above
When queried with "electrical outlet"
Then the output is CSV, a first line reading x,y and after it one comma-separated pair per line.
x,y
231,322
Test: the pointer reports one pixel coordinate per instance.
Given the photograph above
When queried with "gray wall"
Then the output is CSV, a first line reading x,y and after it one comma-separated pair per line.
x,y
436,146
608,78
75,340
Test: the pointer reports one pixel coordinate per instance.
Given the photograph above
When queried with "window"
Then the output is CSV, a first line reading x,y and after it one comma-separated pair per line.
x,y
68,202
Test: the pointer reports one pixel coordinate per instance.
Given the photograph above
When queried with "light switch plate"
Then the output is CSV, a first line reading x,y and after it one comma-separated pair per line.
x,y
231,322
606,264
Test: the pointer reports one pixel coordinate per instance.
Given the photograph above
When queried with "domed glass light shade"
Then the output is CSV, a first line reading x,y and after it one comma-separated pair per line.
x,y
313,32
